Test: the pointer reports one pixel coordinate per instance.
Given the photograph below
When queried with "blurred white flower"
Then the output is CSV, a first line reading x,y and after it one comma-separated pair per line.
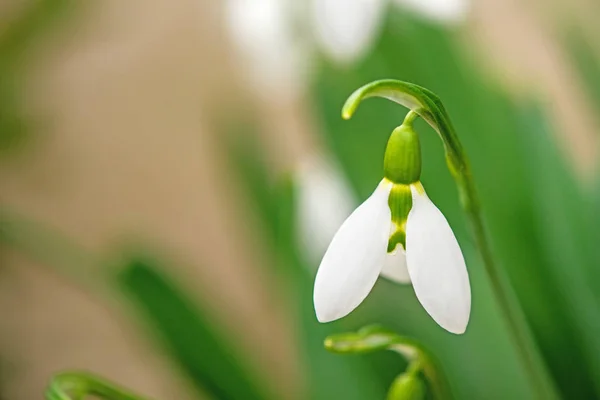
x,y
345,29
263,32
324,201
448,11
358,252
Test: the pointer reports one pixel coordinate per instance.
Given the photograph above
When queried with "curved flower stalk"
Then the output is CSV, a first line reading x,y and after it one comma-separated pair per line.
x,y
407,385
79,385
429,107
400,234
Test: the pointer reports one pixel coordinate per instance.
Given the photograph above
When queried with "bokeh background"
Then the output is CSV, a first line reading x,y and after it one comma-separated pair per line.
x,y
171,173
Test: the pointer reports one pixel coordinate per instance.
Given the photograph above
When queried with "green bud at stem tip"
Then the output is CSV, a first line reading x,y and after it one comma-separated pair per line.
x,y
402,160
407,387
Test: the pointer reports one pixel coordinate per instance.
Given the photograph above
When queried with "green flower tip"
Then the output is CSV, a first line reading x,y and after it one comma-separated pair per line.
x,y
351,104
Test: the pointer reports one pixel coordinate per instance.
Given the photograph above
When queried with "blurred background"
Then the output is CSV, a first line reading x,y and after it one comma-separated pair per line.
x,y
172,172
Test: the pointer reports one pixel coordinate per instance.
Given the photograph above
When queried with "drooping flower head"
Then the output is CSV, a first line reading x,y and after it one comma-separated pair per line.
x,y
400,234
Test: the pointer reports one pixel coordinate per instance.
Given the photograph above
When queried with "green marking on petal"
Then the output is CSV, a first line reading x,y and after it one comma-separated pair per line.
x,y
400,202
398,237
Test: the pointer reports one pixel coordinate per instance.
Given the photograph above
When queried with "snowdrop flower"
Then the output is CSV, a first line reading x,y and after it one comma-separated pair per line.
x,y
400,234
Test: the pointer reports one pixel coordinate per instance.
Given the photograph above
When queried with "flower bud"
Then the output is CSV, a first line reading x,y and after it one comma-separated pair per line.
x,y
402,160
407,386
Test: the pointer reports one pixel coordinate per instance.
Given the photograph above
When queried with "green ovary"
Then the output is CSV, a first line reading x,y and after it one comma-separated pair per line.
x,y
402,159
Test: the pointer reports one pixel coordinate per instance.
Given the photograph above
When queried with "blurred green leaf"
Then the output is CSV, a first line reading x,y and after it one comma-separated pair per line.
x,y
568,254
187,333
79,385
47,246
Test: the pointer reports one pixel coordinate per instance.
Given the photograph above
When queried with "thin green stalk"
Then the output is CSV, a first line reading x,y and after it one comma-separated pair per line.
x,y
79,385
429,107
374,338
432,371
502,291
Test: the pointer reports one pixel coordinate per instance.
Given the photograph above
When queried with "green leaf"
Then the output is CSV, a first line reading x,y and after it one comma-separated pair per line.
x,y
569,256
187,333
79,385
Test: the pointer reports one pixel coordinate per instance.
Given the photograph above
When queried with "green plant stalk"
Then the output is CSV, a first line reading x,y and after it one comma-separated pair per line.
x,y
501,288
439,384
432,371
430,366
429,107
78,385
375,338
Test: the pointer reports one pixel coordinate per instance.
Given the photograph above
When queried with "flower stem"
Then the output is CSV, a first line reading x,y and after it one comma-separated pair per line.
x,y
375,338
410,117
432,371
425,361
502,291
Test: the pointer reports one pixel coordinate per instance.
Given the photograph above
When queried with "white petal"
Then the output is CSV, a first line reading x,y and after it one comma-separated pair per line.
x,y
354,258
394,267
324,201
345,29
436,265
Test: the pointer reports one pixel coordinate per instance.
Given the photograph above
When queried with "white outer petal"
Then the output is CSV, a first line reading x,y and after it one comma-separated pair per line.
x,y
394,267
354,258
324,201
436,265
345,29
